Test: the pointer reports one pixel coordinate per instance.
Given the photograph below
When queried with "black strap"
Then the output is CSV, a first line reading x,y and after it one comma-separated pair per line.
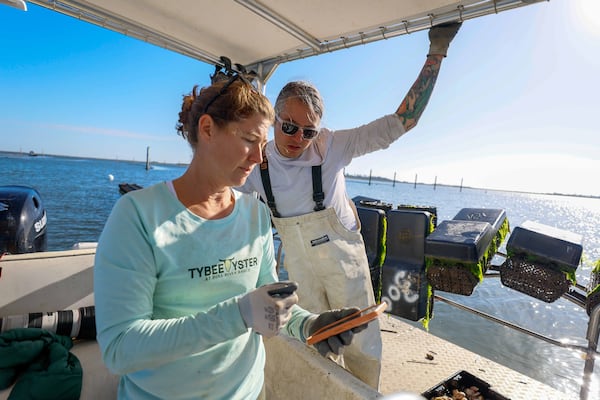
x,y
318,195
266,180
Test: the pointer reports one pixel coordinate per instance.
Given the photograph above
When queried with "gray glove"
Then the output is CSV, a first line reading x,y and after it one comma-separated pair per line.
x,y
334,344
268,308
440,37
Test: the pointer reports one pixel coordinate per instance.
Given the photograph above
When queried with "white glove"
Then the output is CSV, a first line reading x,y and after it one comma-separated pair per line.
x,y
268,308
440,37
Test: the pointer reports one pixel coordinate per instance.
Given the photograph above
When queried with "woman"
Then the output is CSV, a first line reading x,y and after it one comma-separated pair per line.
x,y
185,269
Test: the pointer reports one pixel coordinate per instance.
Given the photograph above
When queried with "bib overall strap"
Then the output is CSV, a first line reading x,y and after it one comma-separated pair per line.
x,y
266,181
318,195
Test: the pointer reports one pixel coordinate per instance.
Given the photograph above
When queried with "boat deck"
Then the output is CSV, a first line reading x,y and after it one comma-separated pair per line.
x,y
407,367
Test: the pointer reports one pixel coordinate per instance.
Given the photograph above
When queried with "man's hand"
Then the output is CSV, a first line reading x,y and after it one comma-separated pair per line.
x,y
440,37
336,343
268,308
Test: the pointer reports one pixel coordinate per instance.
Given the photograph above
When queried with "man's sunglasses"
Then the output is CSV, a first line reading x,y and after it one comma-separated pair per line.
x,y
290,129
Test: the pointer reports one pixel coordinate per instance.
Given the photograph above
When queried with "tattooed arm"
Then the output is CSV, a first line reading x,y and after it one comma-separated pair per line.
x,y
418,96
416,99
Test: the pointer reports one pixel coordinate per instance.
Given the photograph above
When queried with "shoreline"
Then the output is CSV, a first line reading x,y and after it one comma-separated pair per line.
x,y
378,179
27,155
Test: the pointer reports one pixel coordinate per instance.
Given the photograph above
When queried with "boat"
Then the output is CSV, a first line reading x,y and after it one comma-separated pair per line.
x,y
128,187
414,361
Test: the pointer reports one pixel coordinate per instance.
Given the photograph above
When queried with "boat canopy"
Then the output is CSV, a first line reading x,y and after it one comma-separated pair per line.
x,y
260,35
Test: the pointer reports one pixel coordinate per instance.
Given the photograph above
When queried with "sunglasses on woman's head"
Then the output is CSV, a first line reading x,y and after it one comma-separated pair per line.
x,y
232,79
290,129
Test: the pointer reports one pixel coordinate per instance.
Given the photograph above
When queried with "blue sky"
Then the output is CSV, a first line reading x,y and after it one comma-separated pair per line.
x,y
515,107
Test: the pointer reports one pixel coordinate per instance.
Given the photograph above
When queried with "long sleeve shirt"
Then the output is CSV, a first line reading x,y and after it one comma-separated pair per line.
x,y
167,284
291,178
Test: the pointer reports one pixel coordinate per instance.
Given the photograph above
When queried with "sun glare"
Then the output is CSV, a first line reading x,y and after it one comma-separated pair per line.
x,y
587,12
543,173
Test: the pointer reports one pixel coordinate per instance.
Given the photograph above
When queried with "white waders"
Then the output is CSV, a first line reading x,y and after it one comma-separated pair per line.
x,y
330,264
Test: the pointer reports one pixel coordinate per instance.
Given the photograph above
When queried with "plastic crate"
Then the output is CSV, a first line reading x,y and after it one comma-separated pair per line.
x,y
405,238
360,201
404,284
556,248
540,260
457,255
406,291
495,217
373,233
430,209
461,381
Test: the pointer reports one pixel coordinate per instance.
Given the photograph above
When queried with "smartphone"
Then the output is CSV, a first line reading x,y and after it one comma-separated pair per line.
x,y
363,316
286,289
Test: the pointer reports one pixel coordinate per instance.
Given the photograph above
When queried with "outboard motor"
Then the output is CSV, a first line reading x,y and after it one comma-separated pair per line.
x,y
22,220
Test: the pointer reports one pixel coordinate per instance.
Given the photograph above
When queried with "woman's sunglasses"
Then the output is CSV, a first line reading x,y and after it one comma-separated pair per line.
x,y
290,129
231,79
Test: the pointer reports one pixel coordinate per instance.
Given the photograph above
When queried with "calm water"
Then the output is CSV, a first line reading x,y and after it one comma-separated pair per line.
x,y
78,196
77,192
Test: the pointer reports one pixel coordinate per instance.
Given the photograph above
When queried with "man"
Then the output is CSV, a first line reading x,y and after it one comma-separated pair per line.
x,y
302,180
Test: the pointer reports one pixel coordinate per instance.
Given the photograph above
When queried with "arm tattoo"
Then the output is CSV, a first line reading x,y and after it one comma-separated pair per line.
x,y
416,99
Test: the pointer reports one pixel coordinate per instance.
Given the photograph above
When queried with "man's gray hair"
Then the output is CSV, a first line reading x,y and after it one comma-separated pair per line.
x,y
303,91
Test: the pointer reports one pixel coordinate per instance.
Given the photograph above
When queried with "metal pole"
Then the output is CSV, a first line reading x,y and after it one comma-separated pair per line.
x,y
592,337
147,158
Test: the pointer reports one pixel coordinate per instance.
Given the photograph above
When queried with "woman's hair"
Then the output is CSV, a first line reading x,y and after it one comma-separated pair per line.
x,y
303,91
225,101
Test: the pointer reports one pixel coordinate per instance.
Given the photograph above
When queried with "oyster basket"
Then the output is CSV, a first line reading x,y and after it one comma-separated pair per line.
x,y
541,261
451,278
593,297
457,255
535,280
463,381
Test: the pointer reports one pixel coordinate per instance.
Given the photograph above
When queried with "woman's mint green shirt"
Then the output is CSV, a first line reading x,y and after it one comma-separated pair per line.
x,y
166,285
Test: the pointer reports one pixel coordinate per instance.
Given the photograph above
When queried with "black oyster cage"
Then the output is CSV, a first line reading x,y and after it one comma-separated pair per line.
x,y
459,251
541,261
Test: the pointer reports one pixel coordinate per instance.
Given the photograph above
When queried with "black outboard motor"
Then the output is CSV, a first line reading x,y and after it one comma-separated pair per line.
x,y
22,220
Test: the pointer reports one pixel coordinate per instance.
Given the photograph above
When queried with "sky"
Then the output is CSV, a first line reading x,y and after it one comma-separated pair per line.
x,y
515,106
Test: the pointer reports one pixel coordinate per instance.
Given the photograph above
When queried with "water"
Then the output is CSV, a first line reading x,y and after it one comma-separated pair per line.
x,y
78,196
77,192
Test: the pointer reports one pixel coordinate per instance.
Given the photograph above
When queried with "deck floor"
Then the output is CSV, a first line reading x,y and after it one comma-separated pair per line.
x,y
406,366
